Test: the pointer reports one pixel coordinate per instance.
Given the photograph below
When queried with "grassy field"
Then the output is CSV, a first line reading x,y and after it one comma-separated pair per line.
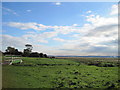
x,y
62,73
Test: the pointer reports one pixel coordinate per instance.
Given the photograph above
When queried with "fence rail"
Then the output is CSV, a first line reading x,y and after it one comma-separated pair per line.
x,y
12,59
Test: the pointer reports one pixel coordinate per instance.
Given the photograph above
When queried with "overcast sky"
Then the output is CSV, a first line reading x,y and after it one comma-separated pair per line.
x,y
61,28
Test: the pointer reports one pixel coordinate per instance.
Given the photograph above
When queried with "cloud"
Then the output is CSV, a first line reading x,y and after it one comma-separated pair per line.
x,y
10,10
19,43
49,34
105,30
99,21
31,38
28,10
39,38
75,25
58,3
90,16
8,40
98,36
59,39
35,38
89,11
102,50
36,26
92,34
24,26
114,10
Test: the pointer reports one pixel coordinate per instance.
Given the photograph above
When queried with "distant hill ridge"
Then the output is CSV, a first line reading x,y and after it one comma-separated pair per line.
x,y
92,56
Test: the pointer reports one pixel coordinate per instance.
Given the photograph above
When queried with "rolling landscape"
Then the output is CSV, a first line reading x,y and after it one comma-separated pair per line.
x,y
60,45
62,73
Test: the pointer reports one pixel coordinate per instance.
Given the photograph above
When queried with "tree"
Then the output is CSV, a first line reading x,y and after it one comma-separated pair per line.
x,y
29,47
34,54
41,54
45,55
17,52
10,50
28,50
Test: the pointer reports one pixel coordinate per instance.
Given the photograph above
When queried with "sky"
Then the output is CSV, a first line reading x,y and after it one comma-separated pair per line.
x,y
61,28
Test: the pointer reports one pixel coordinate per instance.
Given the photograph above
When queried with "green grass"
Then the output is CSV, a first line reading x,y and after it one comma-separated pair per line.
x,y
58,73
47,61
16,61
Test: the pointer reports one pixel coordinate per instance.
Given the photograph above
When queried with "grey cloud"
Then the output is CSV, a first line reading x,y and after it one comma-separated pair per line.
x,y
101,29
102,50
67,49
112,42
8,40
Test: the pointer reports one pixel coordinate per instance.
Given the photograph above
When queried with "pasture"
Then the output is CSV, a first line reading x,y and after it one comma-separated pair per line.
x,y
62,73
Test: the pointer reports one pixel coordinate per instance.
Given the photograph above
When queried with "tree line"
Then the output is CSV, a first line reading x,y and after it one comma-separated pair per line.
x,y
26,52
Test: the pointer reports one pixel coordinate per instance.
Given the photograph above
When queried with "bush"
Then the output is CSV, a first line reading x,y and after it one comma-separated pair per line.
x,y
106,65
34,54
